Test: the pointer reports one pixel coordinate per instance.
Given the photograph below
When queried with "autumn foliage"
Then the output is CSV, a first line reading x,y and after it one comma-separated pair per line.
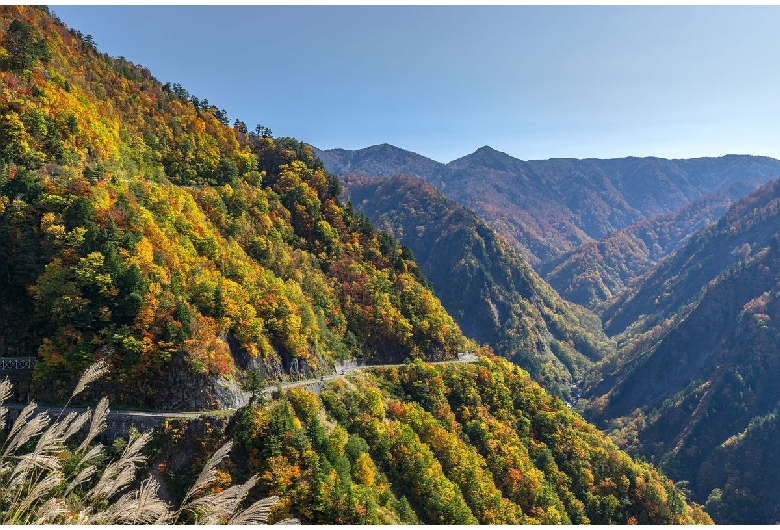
x,y
448,444
138,226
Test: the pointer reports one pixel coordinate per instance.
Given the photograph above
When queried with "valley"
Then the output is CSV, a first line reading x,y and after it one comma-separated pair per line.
x,y
674,291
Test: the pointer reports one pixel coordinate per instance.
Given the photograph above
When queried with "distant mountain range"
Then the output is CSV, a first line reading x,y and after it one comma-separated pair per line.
x,y
545,208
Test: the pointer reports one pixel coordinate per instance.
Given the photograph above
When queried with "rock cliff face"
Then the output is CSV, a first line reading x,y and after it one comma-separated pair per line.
x,y
21,380
192,391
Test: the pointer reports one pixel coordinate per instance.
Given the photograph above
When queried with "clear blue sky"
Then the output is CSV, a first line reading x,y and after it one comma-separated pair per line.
x,y
534,82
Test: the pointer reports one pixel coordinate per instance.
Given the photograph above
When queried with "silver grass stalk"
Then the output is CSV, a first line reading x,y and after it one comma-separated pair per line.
x,y
91,374
50,441
24,415
61,426
93,453
119,474
257,513
52,509
81,518
48,483
25,432
142,506
17,480
113,514
132,453
76,425
98,424
32,461
222,505
6,390
83,475
111,482
150,508
208,473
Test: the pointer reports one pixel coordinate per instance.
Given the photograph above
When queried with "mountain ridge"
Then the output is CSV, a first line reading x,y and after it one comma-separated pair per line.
x,y
545,208
596,271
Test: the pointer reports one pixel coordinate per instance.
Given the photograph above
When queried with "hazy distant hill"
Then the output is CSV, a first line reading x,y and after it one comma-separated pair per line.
x,y
546,208
694,385
382,160
596,271
490,290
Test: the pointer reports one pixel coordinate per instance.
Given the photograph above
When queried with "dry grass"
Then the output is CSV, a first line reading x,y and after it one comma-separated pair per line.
x,y
40,485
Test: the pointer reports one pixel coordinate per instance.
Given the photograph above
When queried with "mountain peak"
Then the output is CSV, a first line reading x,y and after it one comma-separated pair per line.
x,y
487,157
487,149
381,160
383,147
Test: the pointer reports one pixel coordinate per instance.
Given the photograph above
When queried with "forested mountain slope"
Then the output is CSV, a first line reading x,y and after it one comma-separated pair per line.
x,y
490,290
445,444
136,225
546,208
596,271
694,385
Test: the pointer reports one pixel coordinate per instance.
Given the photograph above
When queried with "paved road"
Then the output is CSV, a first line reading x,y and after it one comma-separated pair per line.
x,y
467,357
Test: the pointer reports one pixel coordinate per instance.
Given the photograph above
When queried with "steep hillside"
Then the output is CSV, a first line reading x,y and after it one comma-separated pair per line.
x,y
596,271
698,363
447,444
490,290
546,208
137,226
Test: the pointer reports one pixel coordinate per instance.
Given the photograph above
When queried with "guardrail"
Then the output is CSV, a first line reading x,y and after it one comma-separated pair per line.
x,y
17,363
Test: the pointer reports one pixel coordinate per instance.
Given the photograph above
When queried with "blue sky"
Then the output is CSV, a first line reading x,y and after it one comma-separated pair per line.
x,y
534,82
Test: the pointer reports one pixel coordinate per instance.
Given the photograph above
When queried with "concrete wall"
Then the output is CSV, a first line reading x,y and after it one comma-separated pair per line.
x,y
349,364
118,423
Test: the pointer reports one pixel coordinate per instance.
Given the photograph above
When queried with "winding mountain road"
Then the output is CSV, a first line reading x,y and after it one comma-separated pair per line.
x,y
466,357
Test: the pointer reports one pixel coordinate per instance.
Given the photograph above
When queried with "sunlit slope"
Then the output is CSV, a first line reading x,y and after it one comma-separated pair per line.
x,y
138,225
448,444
